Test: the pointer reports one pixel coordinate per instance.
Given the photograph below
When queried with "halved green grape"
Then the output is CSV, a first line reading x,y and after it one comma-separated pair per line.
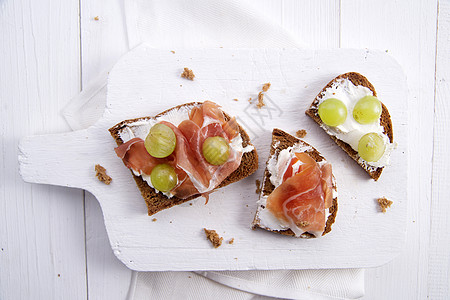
x,y
160,141
371,147
163,177
367,110
216,150
333,112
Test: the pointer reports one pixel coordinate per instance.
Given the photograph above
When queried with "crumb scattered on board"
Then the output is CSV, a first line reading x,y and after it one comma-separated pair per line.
x,y
154,220
96,18
235,99
258,186
214,238
265,88
384,203
300,133
231,241
188,74
100,172
260,100
250,100
172,51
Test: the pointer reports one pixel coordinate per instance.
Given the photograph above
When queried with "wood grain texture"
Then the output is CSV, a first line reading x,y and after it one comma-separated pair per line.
x,y
103,42
41,227
138,76
439,252
407,31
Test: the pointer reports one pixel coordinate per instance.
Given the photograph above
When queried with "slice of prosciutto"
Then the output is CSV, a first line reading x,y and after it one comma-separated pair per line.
x,y
301,199
195,174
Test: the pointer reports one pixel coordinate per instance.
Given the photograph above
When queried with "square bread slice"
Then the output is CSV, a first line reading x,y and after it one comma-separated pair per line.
x,y
157,201
385,120
282,140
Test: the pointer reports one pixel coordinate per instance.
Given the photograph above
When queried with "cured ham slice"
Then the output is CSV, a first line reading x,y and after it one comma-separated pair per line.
x,y
302,198
195,174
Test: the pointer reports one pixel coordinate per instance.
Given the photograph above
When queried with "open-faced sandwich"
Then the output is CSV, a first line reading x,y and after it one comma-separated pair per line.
x,y
348,110
183,153
298,195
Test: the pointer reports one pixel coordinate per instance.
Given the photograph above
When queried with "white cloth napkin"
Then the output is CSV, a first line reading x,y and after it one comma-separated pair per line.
x,y
211,24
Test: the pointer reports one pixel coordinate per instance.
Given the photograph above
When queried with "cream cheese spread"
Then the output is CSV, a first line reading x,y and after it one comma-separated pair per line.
x,y
277,166
351,131
141,128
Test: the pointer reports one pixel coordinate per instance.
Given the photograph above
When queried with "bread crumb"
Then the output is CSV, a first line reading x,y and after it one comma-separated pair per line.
x,y
100,172
258,186
190,204
260,100
154,220
189,277
384,203
96,18
214,238
250,100
188,74
235,99
170,222
266,87
172,51
231,241
300,133
59,275
235,258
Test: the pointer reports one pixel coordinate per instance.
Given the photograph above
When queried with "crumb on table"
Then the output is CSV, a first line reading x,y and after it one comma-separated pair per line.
x,y
231,241
100,172
258,186
235,99
172,51
250,100
384,203
214,238
96,18
154,220
266,87
260,100
300,133
188,74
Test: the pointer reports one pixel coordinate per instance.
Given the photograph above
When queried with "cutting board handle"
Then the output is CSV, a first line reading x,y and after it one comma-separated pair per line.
x,y
60,159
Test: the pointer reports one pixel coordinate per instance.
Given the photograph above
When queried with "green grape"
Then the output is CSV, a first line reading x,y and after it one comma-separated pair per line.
x,y
332,112
216,150
160,141
371,147
367,110
163,177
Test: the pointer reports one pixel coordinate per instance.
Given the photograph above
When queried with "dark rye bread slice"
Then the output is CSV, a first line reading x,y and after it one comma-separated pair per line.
x,y
157,201
385,120
282,140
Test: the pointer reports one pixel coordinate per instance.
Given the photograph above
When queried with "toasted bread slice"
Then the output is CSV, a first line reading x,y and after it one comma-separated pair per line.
x,y
282,140
385,121
157,201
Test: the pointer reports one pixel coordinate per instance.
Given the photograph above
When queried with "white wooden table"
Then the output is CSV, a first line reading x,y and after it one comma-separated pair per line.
x,y
53,244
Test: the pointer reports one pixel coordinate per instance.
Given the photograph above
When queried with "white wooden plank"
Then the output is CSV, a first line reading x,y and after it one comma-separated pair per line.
x,y
103,42
315,23
407,30
139,75
41,227
439,253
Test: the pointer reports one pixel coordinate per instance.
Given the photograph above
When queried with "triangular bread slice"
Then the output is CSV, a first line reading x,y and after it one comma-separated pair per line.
x,y
385,120
156,201
282,140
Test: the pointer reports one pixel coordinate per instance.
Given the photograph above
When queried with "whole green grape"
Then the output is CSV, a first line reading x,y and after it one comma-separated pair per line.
x,y
216,150
332,112
163,177
371,147
367,110
160,141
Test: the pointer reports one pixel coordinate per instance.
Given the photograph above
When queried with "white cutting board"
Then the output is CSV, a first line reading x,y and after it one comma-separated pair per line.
x,y
147,81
